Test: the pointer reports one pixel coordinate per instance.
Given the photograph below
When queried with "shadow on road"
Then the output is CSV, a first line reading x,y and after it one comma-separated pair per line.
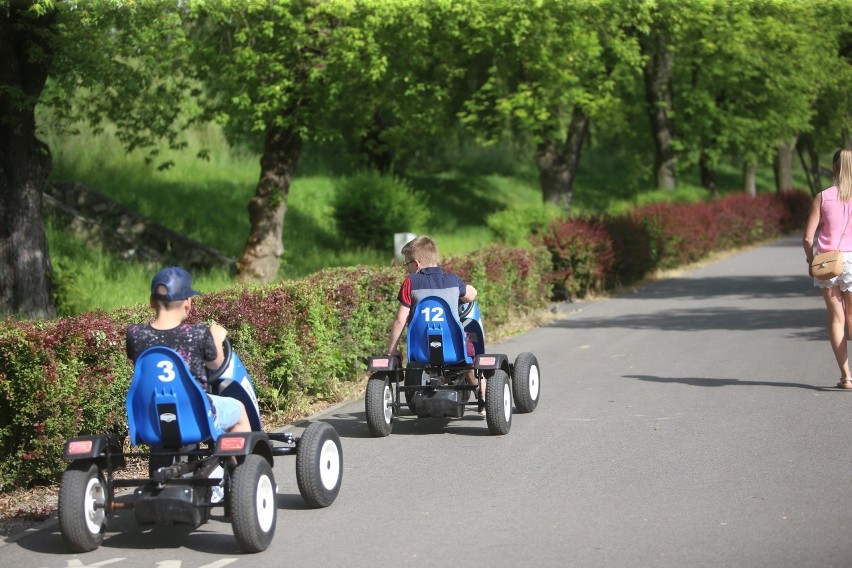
x,y
703,382
354,425
711,318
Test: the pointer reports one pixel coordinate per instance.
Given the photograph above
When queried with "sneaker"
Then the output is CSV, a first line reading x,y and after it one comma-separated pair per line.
x,y
480,408
217,492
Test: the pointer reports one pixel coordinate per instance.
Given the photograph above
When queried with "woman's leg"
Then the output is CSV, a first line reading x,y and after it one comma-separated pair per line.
x,y
837,327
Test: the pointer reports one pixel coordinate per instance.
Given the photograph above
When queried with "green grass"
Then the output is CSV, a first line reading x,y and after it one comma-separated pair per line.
x,y
207,201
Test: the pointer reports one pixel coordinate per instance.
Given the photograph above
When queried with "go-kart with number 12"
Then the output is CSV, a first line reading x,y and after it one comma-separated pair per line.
x,y
434,379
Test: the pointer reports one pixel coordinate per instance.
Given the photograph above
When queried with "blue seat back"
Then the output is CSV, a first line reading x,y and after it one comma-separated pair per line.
x,y
166,406
435,334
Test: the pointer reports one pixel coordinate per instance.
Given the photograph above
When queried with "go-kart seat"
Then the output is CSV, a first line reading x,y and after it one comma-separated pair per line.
x,y
166,406
435,334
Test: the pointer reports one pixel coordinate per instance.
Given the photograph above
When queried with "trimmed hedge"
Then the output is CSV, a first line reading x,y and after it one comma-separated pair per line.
x,y
603,253
299,340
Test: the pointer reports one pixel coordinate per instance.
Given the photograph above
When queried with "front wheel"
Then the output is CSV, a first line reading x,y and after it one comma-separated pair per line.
x,y
526,386
379,405
82,502
498,402
253,508
319,465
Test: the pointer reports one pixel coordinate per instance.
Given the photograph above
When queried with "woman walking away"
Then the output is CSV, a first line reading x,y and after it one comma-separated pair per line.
x,y
830,216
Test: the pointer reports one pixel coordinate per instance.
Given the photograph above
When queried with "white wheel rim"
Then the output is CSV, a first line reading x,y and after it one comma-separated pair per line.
x,y
265,503
533,382
507,401
93,505
388,406
329,464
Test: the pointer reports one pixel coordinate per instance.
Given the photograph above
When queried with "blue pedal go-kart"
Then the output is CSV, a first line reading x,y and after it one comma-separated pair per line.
x,y
193,467
434,381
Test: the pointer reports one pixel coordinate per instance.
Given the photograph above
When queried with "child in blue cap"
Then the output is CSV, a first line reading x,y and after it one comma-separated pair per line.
x,y
200,345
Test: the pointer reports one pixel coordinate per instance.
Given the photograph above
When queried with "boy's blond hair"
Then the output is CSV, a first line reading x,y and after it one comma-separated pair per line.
x,y
421,248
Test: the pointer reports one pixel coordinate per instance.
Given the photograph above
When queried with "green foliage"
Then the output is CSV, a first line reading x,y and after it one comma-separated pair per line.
x,y
369,208
513,226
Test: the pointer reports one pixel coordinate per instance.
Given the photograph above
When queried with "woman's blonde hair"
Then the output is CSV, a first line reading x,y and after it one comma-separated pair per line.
x,y
843,172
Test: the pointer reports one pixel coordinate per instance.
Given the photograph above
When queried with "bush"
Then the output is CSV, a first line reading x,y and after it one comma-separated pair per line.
x,y
592,254
582,256
514,226
369,208
299,339
677,233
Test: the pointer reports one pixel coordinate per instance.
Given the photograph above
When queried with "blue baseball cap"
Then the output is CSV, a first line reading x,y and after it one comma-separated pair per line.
x,y
178,283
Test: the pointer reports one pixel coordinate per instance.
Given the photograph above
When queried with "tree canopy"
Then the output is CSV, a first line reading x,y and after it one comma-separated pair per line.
x,y
715,81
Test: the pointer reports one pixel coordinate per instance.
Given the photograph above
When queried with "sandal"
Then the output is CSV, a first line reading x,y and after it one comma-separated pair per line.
x,y
845,384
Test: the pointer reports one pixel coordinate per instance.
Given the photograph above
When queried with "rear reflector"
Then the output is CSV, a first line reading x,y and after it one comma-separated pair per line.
x,y
80,447
487,361
232,443
377,363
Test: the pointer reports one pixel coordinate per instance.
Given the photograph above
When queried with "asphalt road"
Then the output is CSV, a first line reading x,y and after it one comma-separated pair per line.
x,y
692,422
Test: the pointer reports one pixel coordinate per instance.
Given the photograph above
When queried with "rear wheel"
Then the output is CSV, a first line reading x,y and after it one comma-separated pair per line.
x,y
498,402
379,405
82,501
253,507
319,465
526,385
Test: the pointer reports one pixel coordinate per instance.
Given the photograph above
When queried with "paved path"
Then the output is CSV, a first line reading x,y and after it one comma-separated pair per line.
x,y
690,423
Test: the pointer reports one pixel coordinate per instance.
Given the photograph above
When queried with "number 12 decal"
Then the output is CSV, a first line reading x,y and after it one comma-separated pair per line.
x,y
435,313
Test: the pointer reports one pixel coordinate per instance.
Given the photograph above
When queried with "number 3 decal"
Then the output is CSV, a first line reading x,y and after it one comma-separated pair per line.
x,y
433,314
168,371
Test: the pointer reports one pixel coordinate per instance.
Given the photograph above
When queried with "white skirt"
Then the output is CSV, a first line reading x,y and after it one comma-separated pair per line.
x,y
844,280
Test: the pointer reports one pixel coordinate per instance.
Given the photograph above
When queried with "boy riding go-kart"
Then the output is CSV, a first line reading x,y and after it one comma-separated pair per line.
x,y
435,379
194,467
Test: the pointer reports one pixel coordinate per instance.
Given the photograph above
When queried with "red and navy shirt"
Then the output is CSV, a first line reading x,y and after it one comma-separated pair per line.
x,y
431,281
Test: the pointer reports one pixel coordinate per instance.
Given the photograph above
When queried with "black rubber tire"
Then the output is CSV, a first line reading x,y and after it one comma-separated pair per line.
x,y
378,405
253,505
498,403
81,523
413,377
526,382
319,465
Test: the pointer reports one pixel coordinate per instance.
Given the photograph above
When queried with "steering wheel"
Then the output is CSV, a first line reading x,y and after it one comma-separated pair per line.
x,y
214,374
465,309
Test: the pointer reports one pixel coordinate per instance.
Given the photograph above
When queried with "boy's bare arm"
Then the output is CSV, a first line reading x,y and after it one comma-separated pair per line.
x,y
396,329
469,294
219,334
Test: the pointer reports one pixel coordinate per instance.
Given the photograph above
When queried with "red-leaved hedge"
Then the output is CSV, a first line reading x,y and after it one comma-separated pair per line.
x,y
605,252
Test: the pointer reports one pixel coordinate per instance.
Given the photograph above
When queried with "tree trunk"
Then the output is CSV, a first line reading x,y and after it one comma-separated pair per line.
x,y
750,178
261,257
708,174
25,163
784,165
558,162
658,74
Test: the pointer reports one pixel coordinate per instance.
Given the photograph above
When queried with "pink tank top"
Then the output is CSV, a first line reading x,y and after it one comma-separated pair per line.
x,y
834,214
